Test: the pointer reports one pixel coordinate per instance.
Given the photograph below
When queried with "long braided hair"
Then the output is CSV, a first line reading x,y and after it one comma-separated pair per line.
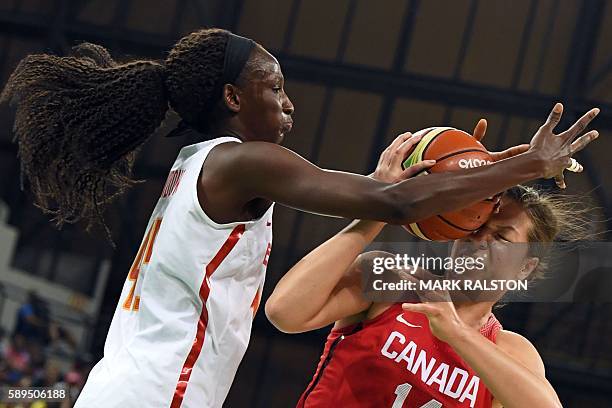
x,y
80,119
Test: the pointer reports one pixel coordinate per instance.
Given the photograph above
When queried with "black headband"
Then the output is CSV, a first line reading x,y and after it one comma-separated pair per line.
x,y
237,53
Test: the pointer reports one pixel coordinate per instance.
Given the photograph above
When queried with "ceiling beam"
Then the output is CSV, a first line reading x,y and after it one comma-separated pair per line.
x,y
335,74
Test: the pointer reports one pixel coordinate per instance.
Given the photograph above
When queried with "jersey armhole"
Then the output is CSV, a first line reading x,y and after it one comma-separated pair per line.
x,y
366,322
196,201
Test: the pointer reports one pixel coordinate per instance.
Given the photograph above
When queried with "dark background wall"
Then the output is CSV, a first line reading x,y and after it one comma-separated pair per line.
x,y
358,72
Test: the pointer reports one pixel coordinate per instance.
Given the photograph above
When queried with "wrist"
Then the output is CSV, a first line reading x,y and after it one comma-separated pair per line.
x,y
463,337
368,230
535,166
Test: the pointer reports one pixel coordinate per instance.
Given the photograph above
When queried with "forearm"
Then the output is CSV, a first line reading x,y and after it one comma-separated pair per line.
x,y
502,374
358,197
424,196
303,291
269,171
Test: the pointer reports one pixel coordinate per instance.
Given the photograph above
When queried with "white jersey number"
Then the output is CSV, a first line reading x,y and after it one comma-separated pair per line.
x,y
402,391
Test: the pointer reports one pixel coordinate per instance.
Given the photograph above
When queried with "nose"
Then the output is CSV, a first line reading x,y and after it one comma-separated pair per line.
x,y
287,106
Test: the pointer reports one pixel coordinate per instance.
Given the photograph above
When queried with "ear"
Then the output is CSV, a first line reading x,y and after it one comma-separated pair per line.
x,y
528,267
231,98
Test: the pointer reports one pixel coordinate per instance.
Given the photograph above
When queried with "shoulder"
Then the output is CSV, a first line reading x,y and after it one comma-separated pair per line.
x,y
255,159
521,349
248,151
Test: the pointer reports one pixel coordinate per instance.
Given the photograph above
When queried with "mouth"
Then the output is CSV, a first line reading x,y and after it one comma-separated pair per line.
x,y
287,126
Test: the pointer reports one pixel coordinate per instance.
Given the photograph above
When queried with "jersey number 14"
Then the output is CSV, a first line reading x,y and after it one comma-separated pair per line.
x,y
401,393
143,257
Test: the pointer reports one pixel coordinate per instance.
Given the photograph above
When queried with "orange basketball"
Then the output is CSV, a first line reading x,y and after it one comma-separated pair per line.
x,y
453,150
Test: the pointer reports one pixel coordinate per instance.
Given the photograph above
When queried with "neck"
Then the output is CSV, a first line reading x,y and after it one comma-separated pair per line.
x,y
474,314
232,127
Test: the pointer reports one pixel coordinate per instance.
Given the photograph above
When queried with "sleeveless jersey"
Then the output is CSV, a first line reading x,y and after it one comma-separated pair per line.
x,y
394,361
184,318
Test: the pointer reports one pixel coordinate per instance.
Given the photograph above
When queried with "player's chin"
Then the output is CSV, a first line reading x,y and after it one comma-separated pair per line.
x,y
281,136
285,128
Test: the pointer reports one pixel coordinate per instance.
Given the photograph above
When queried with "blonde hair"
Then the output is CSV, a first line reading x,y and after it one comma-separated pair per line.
x,y
554,218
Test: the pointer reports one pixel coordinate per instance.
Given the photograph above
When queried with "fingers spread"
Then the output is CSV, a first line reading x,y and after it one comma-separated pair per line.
x,y
580,124
583,140
554,117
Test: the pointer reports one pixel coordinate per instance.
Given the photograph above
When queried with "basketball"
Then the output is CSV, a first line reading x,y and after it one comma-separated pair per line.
x,y
453,150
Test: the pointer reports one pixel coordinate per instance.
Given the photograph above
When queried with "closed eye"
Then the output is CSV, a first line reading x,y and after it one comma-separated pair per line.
x,y
500,236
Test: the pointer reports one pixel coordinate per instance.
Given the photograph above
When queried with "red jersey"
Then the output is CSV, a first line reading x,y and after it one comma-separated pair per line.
x,y
394,361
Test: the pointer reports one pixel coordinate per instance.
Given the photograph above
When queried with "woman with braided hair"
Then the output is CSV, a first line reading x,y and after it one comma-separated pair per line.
x,y
183,321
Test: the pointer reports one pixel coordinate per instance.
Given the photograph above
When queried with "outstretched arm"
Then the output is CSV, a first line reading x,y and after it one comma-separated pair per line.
x,y
265,170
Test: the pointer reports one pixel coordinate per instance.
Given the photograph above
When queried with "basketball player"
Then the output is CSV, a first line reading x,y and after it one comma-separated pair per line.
x,y
446,353
184,318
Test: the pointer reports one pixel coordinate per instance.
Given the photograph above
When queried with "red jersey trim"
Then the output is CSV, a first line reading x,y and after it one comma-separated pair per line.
x,y
198,342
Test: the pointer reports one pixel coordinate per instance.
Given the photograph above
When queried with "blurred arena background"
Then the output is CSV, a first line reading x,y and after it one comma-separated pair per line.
x,y
358,72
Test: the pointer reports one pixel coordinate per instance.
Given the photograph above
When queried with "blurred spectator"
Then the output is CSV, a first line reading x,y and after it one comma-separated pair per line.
x,y
24,356
17,360
34,323
33,319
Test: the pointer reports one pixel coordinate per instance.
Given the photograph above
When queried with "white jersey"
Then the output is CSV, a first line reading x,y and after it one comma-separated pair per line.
x,y
184,318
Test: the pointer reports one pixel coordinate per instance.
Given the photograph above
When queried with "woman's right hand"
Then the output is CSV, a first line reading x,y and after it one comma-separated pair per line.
x,y
555,151
389,168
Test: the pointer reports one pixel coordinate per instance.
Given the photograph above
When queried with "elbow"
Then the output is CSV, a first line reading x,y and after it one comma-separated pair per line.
x,y
276,312
273,313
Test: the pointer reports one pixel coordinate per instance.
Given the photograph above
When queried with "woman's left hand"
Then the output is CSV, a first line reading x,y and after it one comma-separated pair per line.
x,y
389,168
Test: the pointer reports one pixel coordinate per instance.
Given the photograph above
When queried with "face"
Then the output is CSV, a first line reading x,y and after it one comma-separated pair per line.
x,y
264,108
502,245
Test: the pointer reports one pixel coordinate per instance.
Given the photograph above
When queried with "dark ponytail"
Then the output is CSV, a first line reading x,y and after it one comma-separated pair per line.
x,y
78,120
